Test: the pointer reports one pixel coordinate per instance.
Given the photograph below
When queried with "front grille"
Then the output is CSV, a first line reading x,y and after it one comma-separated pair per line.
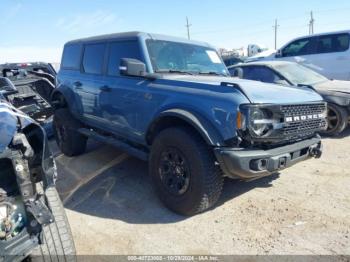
x,y
308,109
307,126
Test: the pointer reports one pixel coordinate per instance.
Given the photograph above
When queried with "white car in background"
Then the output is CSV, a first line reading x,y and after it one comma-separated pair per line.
x,y
326,53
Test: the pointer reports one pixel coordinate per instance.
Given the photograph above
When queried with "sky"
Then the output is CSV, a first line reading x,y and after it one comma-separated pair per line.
x,y
37,30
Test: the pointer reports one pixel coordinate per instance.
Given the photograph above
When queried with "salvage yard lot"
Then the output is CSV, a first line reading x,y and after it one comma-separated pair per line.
x,y
112,208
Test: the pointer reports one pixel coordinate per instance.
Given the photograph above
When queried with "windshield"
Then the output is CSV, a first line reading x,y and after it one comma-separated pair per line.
x,y
300,75
174,57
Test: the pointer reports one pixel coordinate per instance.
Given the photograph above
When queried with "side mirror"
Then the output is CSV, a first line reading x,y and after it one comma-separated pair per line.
x,y
278,53
132,67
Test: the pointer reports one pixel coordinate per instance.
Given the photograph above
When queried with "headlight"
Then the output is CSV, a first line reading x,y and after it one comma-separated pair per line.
x,y
259,123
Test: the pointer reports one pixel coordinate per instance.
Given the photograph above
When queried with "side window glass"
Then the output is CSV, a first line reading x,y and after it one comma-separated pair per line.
x,y
248,73
265,75
93,58
71,56
118,50
262,74
324,44
333,43
299,47
341,43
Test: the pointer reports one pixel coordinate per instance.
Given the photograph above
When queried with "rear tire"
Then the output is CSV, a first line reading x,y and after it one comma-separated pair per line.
x,y
58,244
68,139
180,155
337,118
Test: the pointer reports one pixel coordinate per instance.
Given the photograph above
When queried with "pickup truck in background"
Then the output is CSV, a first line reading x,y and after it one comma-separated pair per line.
x,y
325,53
172,102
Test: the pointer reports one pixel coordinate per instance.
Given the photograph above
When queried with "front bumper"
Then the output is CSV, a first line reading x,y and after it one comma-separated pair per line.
x,y
250,164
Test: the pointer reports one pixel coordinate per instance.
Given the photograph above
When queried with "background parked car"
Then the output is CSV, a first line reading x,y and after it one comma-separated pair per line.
x,y
335,92
326,53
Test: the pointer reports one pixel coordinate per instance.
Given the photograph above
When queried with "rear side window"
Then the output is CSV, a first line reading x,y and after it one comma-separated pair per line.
x,y
299,47
333,43
71,56
123,49
93,58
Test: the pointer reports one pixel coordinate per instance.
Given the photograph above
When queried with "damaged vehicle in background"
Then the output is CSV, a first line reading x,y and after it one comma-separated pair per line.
x,y
32,218
335,92
28,87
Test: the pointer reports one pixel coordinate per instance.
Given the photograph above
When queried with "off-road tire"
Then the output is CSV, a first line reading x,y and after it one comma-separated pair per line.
x,y
68,139
342,120
58,244
206,180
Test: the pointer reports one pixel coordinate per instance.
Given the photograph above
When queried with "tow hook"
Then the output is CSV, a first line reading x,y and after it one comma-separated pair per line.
x,y
316,151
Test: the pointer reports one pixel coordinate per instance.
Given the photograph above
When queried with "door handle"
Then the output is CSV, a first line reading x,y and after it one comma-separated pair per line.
x,y
77,85
105,89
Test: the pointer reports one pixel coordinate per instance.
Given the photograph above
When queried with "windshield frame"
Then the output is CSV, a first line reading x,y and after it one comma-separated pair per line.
x,y
154,67
283,68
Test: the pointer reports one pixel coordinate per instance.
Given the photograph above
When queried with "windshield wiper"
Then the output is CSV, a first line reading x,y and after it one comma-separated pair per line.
x,y
173,71
212,73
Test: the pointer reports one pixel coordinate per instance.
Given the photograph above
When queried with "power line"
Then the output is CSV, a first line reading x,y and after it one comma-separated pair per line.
x,y
261,23
188,25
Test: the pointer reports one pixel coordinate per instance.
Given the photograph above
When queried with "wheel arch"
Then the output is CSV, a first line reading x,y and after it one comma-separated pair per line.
x,y
180,117
58,99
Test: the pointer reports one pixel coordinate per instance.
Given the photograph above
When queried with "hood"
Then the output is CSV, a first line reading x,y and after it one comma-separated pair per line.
x,y
271,53
341,87
257,92
8,126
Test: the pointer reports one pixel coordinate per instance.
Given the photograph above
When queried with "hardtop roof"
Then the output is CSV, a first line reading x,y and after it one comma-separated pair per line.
x,y
135,35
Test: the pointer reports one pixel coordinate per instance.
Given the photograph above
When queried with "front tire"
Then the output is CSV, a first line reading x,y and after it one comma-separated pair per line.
x,y
68,139
337,120
184,171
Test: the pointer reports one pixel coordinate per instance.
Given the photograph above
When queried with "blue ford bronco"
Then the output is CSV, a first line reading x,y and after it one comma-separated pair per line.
x,y
172,102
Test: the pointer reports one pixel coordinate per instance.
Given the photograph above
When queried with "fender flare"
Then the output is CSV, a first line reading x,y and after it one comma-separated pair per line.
x,y
67,95
336,99
206,129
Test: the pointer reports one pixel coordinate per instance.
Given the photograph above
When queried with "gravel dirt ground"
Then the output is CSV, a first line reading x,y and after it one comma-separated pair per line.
x,y
112,208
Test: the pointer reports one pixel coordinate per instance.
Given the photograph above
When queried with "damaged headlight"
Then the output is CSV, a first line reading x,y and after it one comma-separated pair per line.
x,y
258,121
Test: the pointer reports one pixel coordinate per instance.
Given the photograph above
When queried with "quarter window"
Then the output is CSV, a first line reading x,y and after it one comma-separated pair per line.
x,y
118,50
93,58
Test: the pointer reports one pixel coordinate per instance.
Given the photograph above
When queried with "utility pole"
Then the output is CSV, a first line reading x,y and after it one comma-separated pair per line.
x,y
275,27
311,24
188,25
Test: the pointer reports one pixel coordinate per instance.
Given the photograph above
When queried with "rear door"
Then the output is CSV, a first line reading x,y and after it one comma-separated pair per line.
x,y
91,82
